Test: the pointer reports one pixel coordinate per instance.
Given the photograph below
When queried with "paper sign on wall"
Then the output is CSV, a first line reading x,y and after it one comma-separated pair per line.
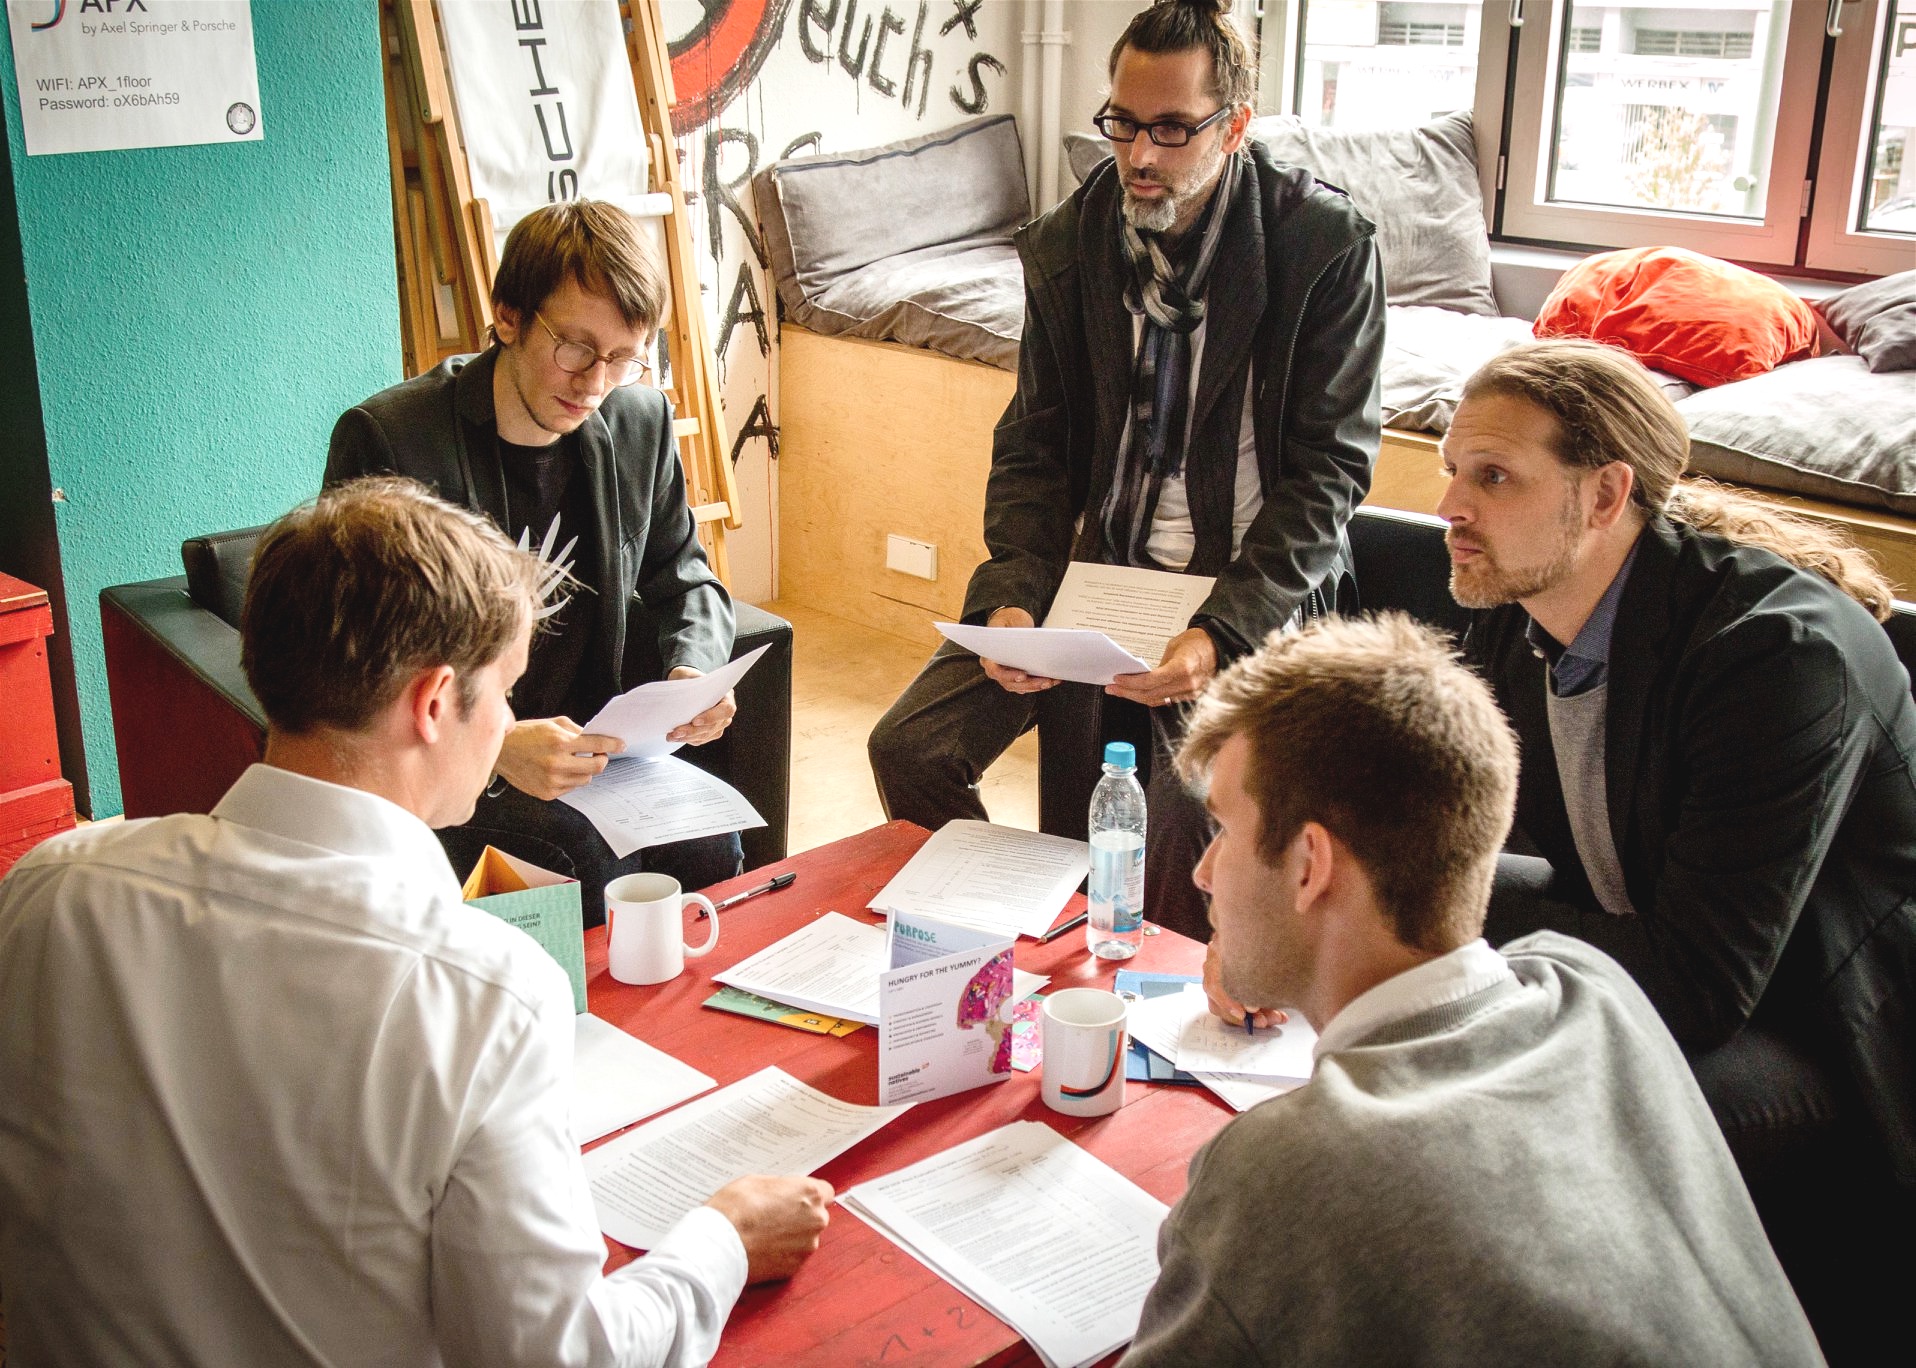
x,y
104,75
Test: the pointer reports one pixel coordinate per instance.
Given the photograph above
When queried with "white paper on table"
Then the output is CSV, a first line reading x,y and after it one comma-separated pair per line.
x,y
1159,1024
1052,1241
833,966
1208,1044
639,803
1081,657
618,1079
996,878
645,1180
641,717
1141,610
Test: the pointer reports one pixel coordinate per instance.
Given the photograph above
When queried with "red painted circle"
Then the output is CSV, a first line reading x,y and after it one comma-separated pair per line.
x,y
714,62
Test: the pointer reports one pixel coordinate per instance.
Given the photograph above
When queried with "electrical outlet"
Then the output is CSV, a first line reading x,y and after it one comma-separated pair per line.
x,y
909,556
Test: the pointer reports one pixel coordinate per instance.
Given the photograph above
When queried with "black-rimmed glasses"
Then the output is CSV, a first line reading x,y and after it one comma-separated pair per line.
x,y
1165,132
576,358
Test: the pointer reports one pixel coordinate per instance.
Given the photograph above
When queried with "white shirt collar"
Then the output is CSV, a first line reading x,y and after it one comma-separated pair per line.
x,y
334,817
1449,978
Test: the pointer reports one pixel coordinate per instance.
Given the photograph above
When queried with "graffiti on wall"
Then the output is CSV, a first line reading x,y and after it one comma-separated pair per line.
x,y
761,80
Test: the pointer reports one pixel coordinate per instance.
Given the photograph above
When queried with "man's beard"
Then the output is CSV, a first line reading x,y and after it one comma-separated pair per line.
x,y
1161,214
1486,584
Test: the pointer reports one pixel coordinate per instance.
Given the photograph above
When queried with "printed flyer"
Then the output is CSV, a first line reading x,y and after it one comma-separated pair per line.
x,y
946,1008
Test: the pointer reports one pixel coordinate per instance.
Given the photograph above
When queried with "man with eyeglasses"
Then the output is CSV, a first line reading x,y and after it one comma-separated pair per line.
x,y
551,434
1197,392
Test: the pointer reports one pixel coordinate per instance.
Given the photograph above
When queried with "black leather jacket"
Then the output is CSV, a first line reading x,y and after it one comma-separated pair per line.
x,y
1306,313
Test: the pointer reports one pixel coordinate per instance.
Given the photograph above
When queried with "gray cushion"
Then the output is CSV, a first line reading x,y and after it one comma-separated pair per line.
x,y
1826,428
844,212
1418,185
1877,320
965,300
909,242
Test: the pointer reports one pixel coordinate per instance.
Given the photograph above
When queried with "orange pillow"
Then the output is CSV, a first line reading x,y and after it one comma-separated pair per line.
x,y
1697,318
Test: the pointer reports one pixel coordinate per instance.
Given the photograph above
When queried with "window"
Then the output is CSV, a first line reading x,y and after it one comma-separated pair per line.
x,y
1636,122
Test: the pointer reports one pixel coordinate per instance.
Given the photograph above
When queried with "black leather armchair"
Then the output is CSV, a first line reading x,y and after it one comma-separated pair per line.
x,y
185,723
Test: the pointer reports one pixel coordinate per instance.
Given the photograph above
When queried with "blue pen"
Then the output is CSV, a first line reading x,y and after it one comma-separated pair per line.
x,y
1250,1023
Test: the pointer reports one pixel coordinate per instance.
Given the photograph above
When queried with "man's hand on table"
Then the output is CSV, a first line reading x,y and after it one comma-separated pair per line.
x,y
778,1220
1224,1005
1190,659
1013,681
548,756
708,725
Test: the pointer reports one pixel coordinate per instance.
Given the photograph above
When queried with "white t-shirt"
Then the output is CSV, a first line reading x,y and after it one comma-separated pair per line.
x,y
270,1093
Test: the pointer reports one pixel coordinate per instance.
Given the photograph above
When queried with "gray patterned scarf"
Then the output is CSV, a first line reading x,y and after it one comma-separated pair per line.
x,y
1167,289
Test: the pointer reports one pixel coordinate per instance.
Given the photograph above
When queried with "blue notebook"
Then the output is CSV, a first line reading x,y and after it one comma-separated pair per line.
x,y
1142,1064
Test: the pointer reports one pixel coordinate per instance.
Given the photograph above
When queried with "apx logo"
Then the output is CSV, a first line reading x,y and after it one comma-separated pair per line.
x,y
59,13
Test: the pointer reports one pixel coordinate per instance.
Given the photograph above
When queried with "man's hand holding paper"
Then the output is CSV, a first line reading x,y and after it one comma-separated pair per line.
x,y
549,757
1010,677
686,707
1190,659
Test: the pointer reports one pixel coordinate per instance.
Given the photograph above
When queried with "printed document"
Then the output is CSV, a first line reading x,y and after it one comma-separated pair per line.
x,y
996,878
617,1079
639,803
645,1180
1160,1025
944,1010
1053,1242
1081,657
1141,610
641,717
831,966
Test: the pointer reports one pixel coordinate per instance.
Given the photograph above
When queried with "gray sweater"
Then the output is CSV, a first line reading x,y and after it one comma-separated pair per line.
x,y
1526,1176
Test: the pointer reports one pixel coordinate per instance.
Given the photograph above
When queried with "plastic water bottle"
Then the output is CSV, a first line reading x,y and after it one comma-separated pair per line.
x,y
1116,925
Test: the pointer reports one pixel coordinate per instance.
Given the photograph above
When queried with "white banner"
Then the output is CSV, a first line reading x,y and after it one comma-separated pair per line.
x,y
103,75
546,104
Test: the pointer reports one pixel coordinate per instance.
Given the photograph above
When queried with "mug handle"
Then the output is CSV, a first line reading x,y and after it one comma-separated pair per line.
x,y
712,938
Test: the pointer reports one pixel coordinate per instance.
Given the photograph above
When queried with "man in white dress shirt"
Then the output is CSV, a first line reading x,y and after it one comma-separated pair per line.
x,y
269,1093
1500,1158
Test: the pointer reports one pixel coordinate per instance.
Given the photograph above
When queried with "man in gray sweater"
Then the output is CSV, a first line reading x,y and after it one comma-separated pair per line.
x,y
1500,1158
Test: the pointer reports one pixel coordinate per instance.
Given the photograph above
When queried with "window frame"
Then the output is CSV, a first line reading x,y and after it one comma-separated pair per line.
x,y
1833,242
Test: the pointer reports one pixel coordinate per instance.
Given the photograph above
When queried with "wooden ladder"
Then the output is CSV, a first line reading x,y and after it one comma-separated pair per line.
x,y
444,240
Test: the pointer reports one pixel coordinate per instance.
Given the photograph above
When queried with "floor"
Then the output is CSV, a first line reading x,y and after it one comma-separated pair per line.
x,y
844,676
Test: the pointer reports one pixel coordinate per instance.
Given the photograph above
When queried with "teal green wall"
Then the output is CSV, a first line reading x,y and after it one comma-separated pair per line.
x,y
200,315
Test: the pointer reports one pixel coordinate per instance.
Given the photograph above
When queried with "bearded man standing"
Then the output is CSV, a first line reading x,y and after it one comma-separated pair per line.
x,y
1197,392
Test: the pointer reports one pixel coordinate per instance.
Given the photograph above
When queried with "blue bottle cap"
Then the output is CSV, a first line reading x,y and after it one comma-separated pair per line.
x,y
1121,753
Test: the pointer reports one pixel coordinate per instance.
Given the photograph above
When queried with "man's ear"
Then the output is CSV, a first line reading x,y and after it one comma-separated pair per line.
x,y
506,324
432,700
1314,863
1614,483
1237,128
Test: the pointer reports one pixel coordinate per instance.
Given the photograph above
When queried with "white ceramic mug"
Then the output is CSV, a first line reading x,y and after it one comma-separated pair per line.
x,y
1083,1051
644,913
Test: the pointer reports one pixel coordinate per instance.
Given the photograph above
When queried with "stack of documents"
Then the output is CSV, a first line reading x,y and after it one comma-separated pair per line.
x,y
645,1180
833,966
645,796
1243,1068
996,878
1053,1242
1105,621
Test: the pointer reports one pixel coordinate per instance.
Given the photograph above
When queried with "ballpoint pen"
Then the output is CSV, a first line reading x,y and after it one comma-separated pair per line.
x,y
1058,931
776,882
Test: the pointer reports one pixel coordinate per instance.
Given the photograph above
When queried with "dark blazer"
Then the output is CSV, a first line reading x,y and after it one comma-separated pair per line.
x,y
1761,773
1306,313
439,428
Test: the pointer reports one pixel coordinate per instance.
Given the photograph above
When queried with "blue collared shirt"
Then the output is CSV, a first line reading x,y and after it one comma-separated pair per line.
x,y
1585,662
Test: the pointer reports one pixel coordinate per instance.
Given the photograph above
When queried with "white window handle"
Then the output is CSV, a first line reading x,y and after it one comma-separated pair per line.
x,y
1516,12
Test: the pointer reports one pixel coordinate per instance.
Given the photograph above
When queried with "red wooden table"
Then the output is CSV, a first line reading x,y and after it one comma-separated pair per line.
x,y
860,1299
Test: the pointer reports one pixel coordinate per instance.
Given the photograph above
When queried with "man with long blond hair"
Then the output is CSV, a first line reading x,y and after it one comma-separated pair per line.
x,y
1719,767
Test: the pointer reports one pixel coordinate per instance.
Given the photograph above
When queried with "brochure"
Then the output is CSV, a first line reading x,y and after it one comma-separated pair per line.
x,y
946,1008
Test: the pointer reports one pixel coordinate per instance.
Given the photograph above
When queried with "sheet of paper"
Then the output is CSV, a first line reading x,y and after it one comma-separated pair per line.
x,y
644,1180
1207,1044
831,966
641,717
618,1079
639,803
1141,610
1055,1243
997,878
1160,1023
1082,657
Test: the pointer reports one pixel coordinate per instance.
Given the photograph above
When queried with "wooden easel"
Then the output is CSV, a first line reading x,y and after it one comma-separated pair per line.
x,y
444,239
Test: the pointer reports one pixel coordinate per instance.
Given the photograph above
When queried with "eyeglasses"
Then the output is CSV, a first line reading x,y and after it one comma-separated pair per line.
x,y
1165,132
576,358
